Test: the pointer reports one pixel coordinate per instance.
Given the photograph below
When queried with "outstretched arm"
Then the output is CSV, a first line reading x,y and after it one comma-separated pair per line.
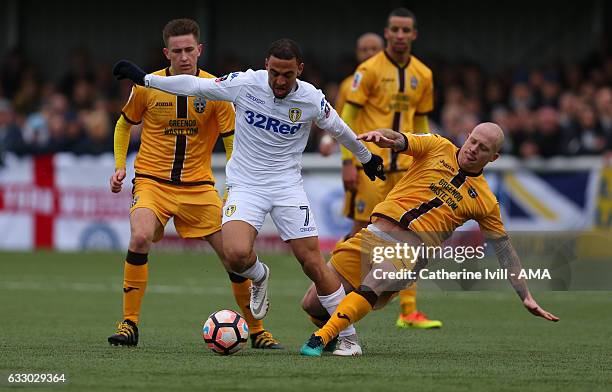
x,y
220,89
178,85
508,259
386,138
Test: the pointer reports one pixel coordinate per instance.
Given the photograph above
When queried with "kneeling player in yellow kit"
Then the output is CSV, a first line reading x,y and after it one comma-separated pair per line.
x,y
414,213
174,177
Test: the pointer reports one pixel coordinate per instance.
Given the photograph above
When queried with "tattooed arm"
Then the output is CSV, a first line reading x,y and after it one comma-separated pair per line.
x,y
509,260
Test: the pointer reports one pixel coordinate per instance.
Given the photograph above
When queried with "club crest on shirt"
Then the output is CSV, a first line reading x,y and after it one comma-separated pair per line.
x,y
199,104
295,114
229,211
360,205
414,82
472,193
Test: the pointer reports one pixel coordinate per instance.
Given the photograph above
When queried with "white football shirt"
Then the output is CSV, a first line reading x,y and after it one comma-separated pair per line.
x,y
271,133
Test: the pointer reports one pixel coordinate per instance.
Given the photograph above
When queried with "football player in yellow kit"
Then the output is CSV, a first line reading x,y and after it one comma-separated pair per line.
x,y
368,44
174,176
441,190
392,89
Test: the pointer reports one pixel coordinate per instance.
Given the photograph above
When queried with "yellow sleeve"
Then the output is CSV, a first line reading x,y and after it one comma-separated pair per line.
x,y
418,145
349,113
364,83
121,141
491,225
426,102
135,106
420,123
343,91
228,144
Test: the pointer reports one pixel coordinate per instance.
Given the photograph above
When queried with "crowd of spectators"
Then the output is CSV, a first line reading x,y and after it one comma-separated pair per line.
x,y
545,111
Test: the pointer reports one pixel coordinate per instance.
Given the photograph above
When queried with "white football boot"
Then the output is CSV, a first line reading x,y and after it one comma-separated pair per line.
x,y
259,296
348,346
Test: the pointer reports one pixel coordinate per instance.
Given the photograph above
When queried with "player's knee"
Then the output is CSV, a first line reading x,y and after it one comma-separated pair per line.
x,y
237,258
308,255
140,240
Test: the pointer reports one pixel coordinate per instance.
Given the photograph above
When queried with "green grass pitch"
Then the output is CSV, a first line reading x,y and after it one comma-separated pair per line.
x,y
58,309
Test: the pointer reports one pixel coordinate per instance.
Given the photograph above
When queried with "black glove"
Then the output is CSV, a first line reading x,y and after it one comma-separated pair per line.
x,y
374,168
125,69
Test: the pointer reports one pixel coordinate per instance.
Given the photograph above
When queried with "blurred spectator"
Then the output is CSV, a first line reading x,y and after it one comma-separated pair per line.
x,y
587,138
603,105
52,129
82,95
98,136
79,68
10,134
547,135
11,73
27,96
521,97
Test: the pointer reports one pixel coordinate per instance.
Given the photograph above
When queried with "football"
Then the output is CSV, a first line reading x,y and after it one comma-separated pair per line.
x,y
225,332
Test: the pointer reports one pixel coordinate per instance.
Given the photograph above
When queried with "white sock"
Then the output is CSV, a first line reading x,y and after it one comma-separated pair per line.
x,y
330,303
256,272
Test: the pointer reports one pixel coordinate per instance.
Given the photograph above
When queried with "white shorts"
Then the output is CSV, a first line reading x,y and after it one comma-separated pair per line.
x,y
289,208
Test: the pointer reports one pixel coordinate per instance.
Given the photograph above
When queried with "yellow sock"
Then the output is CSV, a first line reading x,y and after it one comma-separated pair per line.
x,y
243,297
353,308
408,300
134,284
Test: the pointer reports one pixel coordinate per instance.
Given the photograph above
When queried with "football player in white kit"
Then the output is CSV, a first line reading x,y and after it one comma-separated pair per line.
x,y
274,114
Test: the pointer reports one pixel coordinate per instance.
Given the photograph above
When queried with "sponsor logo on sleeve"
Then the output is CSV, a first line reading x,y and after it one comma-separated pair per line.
x,y
325,107
231,77
356,81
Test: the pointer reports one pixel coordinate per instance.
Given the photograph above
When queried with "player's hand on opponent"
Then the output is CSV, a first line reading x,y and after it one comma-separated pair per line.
x,y
116,180
125,69
385,138
532,306
374,168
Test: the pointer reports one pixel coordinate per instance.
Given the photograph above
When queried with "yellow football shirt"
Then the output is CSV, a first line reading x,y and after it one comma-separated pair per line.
x,y
390,95
435,196
178,133
343,91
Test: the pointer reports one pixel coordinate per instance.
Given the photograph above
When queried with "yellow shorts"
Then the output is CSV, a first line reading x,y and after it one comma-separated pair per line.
x,y
196,209
354,258
358,205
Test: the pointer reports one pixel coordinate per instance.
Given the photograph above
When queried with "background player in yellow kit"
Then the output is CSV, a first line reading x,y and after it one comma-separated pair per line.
x,y
393,89
368,44
443,188
174,176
